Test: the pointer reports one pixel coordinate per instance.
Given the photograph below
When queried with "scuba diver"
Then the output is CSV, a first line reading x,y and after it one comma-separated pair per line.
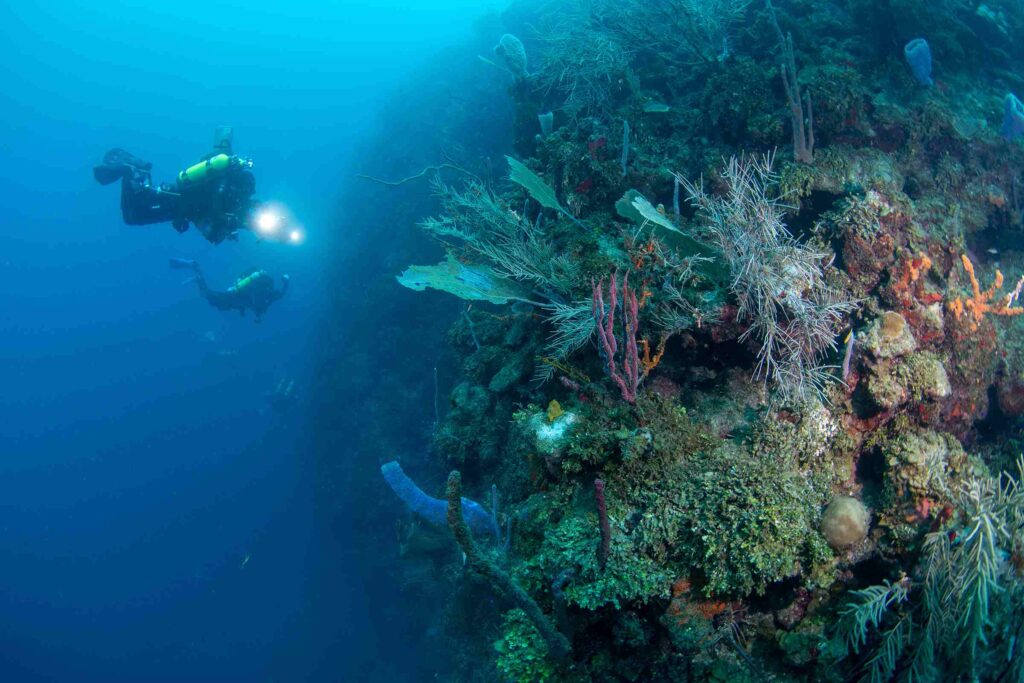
x,y
215,194
254,291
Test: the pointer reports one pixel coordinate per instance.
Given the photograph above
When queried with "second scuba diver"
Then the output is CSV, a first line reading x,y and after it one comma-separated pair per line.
x,y
215,194
254,291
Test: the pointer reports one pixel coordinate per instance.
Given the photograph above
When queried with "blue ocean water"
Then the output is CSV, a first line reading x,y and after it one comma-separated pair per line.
x,y
157,517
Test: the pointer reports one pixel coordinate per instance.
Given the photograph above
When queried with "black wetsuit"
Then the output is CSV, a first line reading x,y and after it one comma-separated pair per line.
x,y
218,207
256,296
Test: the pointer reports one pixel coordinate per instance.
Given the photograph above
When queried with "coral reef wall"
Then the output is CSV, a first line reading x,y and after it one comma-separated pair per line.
x,y
734,353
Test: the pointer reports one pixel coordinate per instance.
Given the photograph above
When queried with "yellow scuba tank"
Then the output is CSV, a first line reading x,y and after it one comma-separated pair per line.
x,y
247,280
209,168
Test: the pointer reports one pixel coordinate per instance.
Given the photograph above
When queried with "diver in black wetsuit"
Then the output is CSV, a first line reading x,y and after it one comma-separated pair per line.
x,y
215,195
254,292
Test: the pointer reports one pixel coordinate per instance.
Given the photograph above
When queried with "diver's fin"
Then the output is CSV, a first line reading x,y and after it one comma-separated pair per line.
x,y
116,164
184,264
105,175
119,157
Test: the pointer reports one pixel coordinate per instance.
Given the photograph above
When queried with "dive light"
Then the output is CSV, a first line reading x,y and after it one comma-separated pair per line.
x,y
273,222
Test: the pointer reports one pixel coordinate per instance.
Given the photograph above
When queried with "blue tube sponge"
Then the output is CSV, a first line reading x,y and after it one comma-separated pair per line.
x,y
434,510
919,57
1013,117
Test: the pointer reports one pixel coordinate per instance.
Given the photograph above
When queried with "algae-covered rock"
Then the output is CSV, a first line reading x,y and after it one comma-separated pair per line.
x,y
928,378
845,522
931,321
918,376
888,336
508,376
1010,395
805,435
465,431
470,398
886,388
923,462
631,631
725,668
809,642
629,576
1010,381
752,520
522,653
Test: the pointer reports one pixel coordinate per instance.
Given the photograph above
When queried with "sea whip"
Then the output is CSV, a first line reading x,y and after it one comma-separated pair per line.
x,y
604,549
625,147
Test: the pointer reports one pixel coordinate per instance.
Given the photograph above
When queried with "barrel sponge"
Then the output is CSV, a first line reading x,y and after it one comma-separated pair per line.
x,y
919,57
511,51
434,510
845,522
